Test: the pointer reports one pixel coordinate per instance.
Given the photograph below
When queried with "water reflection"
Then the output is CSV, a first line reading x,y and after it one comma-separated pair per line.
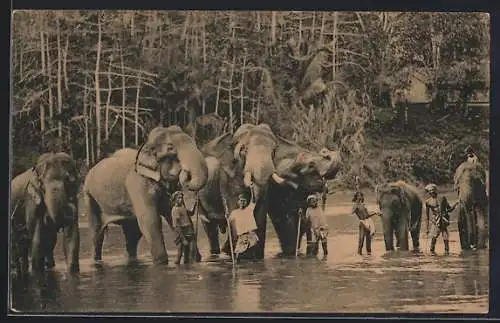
x,y
343,283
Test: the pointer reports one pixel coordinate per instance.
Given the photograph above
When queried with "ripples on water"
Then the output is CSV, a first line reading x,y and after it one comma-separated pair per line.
x,y
345,282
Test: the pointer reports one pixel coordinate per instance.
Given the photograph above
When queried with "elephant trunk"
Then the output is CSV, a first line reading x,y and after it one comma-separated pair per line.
x,y
259,164
56,201
194,173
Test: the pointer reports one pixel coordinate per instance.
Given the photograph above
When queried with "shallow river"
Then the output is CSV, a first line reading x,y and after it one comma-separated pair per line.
x,y
345,282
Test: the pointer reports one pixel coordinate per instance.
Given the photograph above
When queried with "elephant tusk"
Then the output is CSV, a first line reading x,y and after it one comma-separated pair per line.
x,y
184,177
278,179
247,179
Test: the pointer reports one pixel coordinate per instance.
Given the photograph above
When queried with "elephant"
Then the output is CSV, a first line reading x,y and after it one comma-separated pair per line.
x,y
234,164
131,188
401,211
44,201
308,171
470,182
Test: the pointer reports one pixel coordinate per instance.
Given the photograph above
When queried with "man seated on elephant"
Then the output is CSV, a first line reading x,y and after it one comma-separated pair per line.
x,y
319,228
183,226
470,155
366,225
440,217
243,225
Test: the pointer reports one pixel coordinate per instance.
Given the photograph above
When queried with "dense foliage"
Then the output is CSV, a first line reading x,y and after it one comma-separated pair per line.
x,y
89,82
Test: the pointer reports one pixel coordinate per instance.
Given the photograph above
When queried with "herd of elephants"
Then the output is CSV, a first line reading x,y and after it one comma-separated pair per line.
x,y
131,188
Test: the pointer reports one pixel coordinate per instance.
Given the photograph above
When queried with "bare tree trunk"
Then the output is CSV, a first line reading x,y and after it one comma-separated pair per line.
x,y
322,30
136,114
59,76
123,98
204,44
334,51
97,87
218,95
86,115
242,108
49,80
42,118
108,101
65,65
273,27
42,42
230,99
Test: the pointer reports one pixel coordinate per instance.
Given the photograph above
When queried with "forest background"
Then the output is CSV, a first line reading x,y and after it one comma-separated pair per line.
x,y
91,82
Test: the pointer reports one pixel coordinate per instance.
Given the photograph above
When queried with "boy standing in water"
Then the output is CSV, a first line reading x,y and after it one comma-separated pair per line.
x,y
318,226
183,226
243,225
366,225
440,217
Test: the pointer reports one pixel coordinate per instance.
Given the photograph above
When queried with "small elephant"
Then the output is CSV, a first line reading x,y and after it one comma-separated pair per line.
x,y
470,182
401,211
44,201
132,187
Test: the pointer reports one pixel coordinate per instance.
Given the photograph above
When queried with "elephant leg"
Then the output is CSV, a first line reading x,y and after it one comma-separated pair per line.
x,y
95,225
481,229
71,240
403,234
261,221
132,235
49,251
37,249
150,226
462,229
415,236
471,227
388,233
212,231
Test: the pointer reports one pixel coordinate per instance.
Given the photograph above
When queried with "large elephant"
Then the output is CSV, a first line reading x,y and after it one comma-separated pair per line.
x,y
234,163
470,182
237,162
132,187
44,201
401,211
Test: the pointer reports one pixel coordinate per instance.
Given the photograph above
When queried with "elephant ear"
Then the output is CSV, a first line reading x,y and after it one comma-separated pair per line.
x,y
35,185
221,148
157,144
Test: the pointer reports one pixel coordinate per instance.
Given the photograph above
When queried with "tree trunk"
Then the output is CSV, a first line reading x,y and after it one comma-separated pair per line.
x,y
108,101
123,98
136,114
86,115
97,88
59,77
242,108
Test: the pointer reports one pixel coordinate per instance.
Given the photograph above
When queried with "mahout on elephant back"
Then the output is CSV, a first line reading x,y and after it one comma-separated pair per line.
x,y
44,201
132,188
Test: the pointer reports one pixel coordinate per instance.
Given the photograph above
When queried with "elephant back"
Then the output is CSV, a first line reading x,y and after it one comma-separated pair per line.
x,y
105,181
18,186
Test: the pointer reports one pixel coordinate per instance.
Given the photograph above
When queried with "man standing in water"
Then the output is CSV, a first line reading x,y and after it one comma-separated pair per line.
x,y
440,217
183,226
318,226
243,225
366,225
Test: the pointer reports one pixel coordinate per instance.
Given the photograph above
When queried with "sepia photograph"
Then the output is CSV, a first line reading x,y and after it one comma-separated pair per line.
x,y
249,162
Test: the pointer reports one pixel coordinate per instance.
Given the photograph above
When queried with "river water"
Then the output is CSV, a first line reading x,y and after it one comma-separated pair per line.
x,y
345,282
